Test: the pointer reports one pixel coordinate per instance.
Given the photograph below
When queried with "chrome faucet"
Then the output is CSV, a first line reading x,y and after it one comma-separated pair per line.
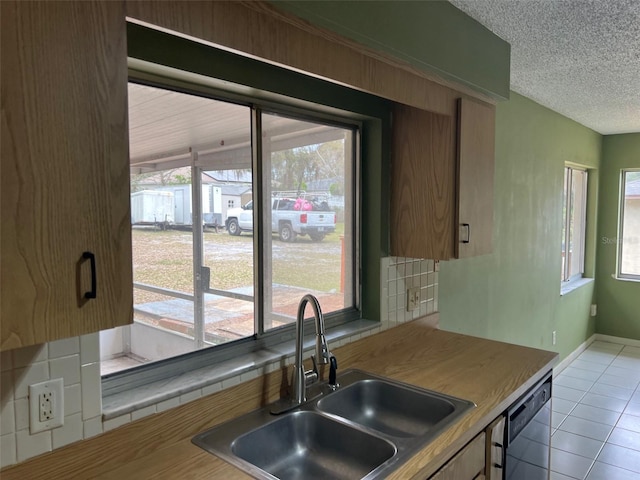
x,y
322,356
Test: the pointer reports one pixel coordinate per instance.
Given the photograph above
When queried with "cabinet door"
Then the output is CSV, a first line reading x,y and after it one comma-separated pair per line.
x,y
65,171
467,464
423,184
495,449
476,150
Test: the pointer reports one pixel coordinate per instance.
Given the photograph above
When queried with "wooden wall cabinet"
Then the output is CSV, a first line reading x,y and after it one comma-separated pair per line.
x,y
442,182
422,184
65,170
476,153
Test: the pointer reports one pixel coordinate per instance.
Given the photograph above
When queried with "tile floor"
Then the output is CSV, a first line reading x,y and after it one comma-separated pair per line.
x,y
596,415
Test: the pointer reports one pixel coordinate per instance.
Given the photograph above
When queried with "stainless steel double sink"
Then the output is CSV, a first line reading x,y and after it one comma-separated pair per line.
x,y
365,429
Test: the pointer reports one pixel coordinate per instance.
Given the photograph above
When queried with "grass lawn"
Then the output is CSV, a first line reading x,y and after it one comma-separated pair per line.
x,y
165,259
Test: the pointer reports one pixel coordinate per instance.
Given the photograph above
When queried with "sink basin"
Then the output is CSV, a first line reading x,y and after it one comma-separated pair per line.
x,y
388,408
365,429
306,445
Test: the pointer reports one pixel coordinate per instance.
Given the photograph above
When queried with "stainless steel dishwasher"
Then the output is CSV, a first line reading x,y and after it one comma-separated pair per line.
x,y
528,434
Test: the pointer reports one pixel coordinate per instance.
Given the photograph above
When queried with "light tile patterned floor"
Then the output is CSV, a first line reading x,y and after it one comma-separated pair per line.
x,y
596,415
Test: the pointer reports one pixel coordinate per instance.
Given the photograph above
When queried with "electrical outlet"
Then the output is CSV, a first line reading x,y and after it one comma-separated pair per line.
x,y
553,337
594,309
413,298
46,405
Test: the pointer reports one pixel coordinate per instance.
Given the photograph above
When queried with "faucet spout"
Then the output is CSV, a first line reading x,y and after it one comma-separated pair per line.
x,y
322,355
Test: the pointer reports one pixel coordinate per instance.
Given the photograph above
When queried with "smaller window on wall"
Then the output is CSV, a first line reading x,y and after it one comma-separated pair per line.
x,y
574,223
629,226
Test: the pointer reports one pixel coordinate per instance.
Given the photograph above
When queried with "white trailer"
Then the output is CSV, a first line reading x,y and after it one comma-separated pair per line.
x,y
152,207
211,204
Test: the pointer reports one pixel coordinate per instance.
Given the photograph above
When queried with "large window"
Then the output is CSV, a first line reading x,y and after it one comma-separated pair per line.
x,y
629,234
574,223
238,210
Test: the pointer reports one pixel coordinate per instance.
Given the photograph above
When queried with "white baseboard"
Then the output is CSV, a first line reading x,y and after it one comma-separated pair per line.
x,y
619,340
583,346
573,355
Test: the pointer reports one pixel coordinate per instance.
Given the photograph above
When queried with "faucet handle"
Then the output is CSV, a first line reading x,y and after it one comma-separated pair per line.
x,y
333,368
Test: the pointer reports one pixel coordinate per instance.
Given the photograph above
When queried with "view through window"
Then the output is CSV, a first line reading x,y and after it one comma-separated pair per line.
x,y
203,276
574,223
629,235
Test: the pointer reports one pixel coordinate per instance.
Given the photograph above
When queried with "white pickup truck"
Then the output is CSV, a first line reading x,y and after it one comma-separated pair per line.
x,y
290,217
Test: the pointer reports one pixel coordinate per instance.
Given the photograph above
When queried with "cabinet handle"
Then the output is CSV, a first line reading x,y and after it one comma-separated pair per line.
x,y
468,227
92,259
501,447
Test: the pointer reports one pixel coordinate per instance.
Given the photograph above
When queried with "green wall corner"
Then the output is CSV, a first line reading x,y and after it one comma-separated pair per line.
x,y
618,301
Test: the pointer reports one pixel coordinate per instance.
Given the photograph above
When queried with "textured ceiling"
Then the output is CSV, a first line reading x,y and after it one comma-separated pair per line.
x,y
580,58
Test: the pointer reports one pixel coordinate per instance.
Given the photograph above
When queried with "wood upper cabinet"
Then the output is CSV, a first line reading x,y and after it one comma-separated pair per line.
x,y
65,170
476,152
442,182
423,172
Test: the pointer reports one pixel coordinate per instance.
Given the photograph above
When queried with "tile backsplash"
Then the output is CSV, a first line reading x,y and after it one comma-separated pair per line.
x,y
77,361
397,274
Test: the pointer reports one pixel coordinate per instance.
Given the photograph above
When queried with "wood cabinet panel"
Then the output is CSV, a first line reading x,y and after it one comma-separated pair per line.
x,y
65,170
422,184
467,464
476,151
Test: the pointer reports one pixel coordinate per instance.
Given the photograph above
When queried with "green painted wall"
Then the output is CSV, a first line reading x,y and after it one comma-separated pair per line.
x,y
433,36
513,294
618,301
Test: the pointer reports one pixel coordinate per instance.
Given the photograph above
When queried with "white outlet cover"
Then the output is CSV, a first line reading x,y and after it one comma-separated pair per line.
x,y
56,388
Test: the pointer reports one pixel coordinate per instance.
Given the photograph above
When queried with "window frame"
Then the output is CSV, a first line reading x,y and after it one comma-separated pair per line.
x,y
356,109
622,194
567,278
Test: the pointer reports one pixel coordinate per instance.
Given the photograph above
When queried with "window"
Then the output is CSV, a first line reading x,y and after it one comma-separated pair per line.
x,y
205,275
574,223
629,234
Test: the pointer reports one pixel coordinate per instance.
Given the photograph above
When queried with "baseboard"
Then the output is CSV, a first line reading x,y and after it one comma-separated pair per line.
x,y
583,346
573,355
622,341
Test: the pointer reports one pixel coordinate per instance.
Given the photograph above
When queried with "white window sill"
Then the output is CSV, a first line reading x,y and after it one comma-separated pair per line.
x,y
568,287
207,380
625,279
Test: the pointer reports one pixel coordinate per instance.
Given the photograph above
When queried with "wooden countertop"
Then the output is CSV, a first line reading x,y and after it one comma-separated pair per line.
x,y
491,374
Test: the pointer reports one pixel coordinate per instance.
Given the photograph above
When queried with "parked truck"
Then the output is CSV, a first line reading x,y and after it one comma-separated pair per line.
x,y
291,215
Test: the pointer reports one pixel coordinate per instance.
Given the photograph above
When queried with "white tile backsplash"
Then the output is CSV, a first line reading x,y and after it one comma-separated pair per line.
x,y
67,368
116,422
64,347
143,412
25,376
23,357
21,408
92,426
72,399
7,418
8,450
31,445
91,390
89,348
167,404
71,431
397,274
